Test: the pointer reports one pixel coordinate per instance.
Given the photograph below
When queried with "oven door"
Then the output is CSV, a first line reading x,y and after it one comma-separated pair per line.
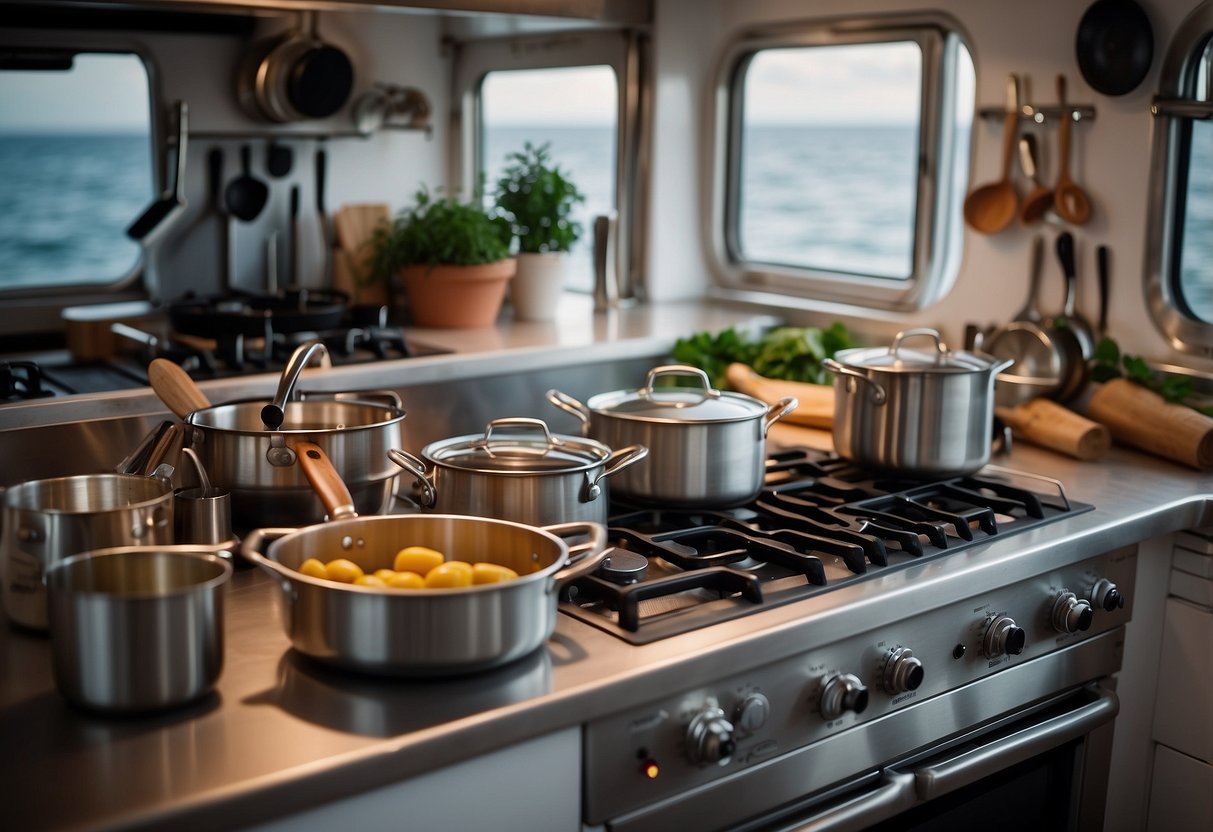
x,y
1042,769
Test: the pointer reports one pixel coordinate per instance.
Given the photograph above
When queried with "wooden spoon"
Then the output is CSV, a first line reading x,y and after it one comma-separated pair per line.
x,y
175,388
990,208
1071,202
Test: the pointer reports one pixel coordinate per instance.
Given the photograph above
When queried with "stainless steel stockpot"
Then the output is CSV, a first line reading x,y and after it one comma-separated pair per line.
x,y
706,447
912,412
46,521
137,628
258,466
519,470
424,632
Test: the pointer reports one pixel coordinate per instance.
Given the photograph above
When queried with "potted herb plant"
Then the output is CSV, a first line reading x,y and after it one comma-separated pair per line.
x,y
537,198
452,257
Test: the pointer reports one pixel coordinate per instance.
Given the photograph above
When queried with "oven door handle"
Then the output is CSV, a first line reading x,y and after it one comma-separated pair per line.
x,y
894,796
971,766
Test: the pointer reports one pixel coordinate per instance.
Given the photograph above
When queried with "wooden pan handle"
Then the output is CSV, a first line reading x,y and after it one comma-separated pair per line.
x,y
175,388
1142,418
1048,424
325,480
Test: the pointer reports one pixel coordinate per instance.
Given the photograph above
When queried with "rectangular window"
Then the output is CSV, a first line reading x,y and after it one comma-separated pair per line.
x,y
1195,281
76,163
842,154
573,110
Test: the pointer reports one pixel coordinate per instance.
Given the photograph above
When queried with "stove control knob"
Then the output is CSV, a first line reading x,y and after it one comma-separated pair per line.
x,y
1003,638
710,737
1071,613
1106,596
752,712
902,671
843,692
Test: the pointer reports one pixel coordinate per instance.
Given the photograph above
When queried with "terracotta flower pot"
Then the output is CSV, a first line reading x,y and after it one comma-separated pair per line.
x,y
457,296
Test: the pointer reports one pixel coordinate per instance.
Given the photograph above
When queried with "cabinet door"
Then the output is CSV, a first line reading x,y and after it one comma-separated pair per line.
x,y
1181,794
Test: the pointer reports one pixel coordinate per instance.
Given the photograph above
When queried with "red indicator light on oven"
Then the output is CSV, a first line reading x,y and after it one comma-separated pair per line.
x,y
650,769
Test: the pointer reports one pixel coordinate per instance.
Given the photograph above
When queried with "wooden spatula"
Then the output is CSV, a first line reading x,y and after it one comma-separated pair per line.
x,y
175,388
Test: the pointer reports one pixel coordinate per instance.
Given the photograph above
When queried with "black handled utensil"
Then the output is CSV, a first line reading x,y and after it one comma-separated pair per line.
x,y
1105,281
322,214
246,195
172,202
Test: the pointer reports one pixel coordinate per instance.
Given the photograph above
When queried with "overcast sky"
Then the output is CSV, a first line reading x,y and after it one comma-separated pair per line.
x,y
105,93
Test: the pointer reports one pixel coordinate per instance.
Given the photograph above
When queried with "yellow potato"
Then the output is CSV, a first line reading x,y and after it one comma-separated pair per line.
x,y
406,580
343,571
451,575
417,559
385,575
370,580
313,568
491,573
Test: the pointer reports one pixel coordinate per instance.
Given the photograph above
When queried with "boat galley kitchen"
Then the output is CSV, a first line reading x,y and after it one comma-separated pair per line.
x,y
730,416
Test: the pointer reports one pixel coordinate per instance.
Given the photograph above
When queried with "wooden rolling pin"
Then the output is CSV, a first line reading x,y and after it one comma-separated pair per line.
x,y
816,408
1046,423
1142,418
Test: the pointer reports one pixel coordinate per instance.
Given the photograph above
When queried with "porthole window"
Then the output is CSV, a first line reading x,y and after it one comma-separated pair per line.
x,y
76,167
842,159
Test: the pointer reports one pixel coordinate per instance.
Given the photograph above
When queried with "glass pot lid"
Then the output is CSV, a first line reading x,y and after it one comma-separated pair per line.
x,y
678,404
519,446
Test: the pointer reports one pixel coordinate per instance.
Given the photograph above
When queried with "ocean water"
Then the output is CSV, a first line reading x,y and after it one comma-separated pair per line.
x,y
65,204
835,198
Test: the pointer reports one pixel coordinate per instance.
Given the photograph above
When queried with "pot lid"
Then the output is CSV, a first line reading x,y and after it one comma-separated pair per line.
x,y
899,358
678,404
518,446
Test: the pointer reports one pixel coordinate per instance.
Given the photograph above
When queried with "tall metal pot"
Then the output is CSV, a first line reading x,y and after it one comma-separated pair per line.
x,y
915,413
706,447
519,470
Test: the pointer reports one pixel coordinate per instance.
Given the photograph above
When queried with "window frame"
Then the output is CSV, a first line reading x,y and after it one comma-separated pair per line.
x,y
626,53
1174,108
935,261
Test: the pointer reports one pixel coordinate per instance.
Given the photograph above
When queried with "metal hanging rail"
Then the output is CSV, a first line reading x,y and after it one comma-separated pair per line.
x,y
1042,115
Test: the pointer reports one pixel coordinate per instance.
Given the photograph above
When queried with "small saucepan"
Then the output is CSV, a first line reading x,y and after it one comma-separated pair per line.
x,y
707,448
419,632
519,470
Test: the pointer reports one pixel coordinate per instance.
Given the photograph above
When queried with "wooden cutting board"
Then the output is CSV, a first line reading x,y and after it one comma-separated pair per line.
x,y
783,435
816,401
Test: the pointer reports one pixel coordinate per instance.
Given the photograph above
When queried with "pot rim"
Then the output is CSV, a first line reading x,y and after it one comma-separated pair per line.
x,y
570,454
396,415
270,561
10,502
942,361
201,553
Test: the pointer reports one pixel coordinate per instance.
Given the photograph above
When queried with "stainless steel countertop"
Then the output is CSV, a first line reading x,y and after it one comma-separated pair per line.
x,y
281,734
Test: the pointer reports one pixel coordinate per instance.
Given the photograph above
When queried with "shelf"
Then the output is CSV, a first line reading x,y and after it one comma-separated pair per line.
x,y
1042,115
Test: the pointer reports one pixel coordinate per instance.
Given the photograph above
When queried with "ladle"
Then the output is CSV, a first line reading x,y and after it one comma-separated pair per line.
x,y
1072,203
274,413
1040,198
990,208
246,195
178,392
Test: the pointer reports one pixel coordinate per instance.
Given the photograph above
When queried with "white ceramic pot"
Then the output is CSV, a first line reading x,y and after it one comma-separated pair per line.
x,y
538,284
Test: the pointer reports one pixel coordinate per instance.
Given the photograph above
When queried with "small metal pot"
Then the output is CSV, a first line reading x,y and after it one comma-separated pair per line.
x,y
518,470
137,628
48,520
706,447
915,413
423,632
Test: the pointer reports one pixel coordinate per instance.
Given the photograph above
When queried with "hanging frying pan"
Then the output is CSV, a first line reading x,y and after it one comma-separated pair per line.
x,y
295,76
1115,46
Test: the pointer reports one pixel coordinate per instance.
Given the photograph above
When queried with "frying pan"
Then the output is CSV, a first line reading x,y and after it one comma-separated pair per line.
x,y
294,310
1073,331
1039,355
1115,46
295,76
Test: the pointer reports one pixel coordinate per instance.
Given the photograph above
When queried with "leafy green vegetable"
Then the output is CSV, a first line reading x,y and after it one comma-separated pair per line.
x,y
1110,363
789,353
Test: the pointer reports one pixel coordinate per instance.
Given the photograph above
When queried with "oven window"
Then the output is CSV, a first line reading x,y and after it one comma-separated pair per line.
x,y
843,152
76,167
573,112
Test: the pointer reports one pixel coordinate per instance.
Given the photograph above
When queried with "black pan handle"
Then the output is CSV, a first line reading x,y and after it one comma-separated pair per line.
x,y
1065,255
1105,281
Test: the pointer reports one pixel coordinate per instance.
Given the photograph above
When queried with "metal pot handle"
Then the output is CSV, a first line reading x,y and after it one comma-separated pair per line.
x,y
616,462
416,467
876,393
777,411
570,405
585,557
250,550
677,370
940,346
518,422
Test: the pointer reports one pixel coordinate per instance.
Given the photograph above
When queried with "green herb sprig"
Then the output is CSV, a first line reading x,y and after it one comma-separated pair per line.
x,y
1110,362
536,198
788,353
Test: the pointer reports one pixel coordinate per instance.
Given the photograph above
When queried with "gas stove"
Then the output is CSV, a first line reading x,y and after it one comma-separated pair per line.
x,y
820,523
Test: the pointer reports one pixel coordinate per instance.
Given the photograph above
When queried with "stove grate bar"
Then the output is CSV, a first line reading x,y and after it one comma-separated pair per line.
x,y
872,545
625,600
970,493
